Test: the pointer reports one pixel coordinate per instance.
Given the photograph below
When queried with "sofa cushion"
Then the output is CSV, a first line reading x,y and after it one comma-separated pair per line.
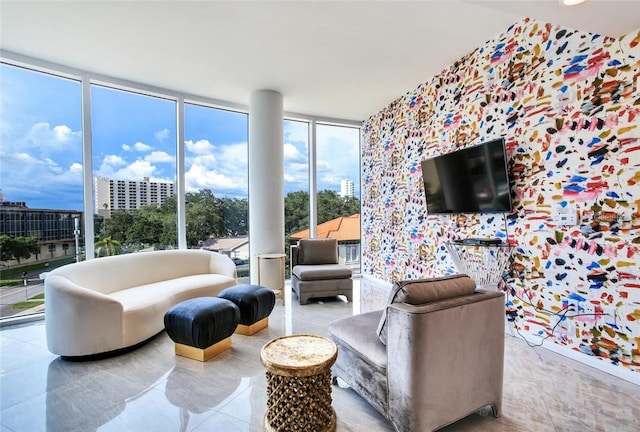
x,y
317,251
421,291
321,272
144,306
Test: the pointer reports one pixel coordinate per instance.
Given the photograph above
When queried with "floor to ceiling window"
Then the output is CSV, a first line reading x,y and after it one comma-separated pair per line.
x,y
338,186
42,193
216,180
130,181
134,170
335,180
296,181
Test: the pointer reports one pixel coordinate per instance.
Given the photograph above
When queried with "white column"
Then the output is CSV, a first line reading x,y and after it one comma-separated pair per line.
x,y
266,176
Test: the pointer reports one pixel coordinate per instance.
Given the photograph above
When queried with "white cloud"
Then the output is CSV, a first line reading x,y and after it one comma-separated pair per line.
x,y
109,165
113,160
126,147
159,157
76,168
199,178
23,158
224,171
142,147
236,154
296,131
322,165
53,165
30,175
338,155
200,147
45,140
64,133
136,171
208,161
292,153
162,135
329,179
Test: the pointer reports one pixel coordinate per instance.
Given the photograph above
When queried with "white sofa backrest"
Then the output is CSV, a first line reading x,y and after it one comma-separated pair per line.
x,y
114,273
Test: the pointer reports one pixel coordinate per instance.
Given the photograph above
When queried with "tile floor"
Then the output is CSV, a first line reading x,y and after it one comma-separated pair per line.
x,y
151,389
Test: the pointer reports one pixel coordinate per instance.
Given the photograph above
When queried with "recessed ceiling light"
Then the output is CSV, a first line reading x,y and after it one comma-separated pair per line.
x,y
571,2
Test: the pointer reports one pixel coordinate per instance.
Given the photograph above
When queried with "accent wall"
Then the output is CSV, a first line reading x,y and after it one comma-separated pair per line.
x,y
567,103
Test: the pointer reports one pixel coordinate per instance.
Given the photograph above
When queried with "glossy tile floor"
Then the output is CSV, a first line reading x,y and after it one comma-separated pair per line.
x,y
151,389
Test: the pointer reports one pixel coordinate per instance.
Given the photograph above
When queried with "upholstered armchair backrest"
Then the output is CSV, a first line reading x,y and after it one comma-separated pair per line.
x,y
423,291
317,251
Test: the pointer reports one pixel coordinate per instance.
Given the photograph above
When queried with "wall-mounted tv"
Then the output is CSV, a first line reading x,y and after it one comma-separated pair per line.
x,y
470,180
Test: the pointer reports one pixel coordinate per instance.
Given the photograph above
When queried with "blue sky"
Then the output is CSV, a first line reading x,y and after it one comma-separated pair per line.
x,y
133,137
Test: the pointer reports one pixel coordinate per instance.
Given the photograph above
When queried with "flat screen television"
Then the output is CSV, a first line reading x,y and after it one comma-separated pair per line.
x,y
470,180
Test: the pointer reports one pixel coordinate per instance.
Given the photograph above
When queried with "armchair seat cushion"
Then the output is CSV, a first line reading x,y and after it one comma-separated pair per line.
x,y
321,272
355,332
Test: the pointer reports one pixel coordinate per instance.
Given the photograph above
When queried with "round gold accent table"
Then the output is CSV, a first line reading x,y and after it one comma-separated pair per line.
x,y
299,383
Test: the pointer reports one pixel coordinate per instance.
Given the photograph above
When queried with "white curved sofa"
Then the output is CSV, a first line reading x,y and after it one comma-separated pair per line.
x,y
114,303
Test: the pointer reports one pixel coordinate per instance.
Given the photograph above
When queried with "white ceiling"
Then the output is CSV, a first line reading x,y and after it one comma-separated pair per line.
x,y
334,59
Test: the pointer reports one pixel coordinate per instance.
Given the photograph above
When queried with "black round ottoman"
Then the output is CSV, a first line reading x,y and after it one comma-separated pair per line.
x,y
255,302
202,327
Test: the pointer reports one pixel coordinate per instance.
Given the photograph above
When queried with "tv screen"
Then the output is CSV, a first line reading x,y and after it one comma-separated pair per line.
x,y
471,180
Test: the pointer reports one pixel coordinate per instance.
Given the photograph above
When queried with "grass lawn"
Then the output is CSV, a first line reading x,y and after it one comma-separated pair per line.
x,y
8,276
34,301
26,304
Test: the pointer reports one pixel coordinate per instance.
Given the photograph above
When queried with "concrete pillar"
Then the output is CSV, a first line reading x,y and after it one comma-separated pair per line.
x,y
266,176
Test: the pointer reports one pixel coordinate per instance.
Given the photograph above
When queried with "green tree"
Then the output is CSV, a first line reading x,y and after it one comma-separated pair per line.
x,y
204,216
17,248
148,226
296,212
331,206
208,216
235,214
108,247
117,226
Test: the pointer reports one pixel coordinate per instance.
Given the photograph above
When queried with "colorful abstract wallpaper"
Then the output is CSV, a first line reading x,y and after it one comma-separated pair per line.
x,y
568,106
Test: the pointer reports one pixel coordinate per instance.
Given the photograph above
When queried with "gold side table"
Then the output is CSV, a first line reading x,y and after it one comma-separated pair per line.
x,y
299,383
269,277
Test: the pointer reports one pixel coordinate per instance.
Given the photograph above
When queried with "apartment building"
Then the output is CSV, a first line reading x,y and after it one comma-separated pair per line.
x,y
347,188
112,195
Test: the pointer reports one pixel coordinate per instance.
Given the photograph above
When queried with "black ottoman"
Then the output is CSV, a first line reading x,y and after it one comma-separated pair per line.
x,y
202,327
255,302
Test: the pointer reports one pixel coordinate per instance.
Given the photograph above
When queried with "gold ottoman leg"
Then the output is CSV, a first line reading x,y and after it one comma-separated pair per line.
x,y
203,354
249,330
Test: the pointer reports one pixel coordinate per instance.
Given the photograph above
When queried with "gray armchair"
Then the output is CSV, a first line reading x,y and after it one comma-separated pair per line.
x,y
315,271
432,357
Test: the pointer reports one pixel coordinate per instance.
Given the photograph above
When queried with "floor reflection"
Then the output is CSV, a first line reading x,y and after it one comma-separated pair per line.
x,y
193,395
152,389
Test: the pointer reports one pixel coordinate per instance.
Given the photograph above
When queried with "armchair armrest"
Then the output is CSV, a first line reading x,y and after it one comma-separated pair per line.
x,y
294,256
445,359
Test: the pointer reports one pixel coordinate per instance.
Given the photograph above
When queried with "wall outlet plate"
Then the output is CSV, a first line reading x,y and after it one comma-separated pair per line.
x,y
573,306
565,219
